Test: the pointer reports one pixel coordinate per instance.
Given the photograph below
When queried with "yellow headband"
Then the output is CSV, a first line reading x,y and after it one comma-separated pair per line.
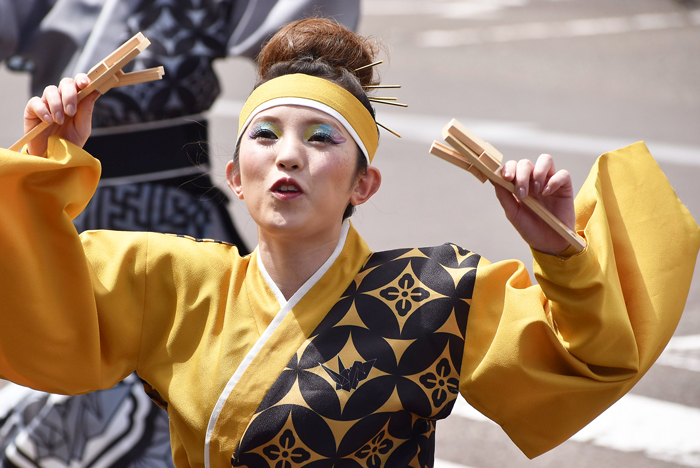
x,y
311,91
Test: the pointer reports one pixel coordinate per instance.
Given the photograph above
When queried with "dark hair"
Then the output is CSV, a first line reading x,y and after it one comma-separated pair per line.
x,y
326,49
320,39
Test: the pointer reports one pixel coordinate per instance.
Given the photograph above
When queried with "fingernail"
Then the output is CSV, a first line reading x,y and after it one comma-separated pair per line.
x,y
59,117
48,119
536,186
70,109
546,190
521,193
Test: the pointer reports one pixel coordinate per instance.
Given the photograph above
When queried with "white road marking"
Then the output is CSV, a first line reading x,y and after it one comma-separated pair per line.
x,y
424,129
683,352
661,429
447,464
560,29
684,343
442,9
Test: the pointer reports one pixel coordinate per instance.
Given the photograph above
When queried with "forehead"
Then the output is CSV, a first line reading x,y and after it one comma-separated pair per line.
x,y
296,115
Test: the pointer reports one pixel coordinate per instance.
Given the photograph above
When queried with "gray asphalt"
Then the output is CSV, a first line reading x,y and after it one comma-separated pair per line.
x,y
573,78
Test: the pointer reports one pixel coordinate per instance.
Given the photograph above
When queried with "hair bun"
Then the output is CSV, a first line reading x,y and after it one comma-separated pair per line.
x,y
324,40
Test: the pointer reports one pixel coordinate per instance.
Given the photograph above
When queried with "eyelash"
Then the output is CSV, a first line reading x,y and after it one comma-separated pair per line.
x,y
269,134
265,133
322,136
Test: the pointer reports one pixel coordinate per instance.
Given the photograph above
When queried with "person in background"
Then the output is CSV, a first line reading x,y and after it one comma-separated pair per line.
x,y
151,140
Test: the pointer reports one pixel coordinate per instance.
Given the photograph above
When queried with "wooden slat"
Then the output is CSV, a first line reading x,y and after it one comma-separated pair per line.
x,y
451,156
106,75
488,163
472,141
142,76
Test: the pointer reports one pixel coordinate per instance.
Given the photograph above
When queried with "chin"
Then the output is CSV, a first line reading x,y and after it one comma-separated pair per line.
x,y
286,224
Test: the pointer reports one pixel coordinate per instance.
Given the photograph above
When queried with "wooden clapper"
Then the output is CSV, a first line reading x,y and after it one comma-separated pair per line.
x,y
106,75
473,154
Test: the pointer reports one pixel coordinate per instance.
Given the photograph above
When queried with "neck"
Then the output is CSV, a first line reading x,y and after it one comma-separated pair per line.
x,y
291,262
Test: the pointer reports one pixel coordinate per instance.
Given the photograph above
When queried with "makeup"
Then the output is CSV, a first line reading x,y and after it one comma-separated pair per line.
x,y
264,130
324,132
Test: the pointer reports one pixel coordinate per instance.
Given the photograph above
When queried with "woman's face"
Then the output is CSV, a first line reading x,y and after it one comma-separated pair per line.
x,y
296,172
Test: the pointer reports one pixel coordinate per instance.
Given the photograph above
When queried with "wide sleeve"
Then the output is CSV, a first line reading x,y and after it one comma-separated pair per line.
x,y
65,328
544,360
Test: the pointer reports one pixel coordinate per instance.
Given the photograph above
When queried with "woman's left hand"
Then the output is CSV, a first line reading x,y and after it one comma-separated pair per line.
x,y
551,188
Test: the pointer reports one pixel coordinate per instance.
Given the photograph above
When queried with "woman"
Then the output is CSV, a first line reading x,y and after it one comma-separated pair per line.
x,y
314,351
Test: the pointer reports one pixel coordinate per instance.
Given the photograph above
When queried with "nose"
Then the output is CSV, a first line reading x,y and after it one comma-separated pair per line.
x,y
291,153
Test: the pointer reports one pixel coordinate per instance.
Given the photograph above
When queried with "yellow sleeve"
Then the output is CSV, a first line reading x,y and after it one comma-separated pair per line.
x,y
64,329
544,360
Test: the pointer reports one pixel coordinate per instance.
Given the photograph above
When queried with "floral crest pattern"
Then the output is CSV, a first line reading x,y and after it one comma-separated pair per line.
x,y
367,387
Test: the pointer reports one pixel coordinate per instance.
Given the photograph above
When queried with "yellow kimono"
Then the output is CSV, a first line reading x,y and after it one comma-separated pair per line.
x,y
357,367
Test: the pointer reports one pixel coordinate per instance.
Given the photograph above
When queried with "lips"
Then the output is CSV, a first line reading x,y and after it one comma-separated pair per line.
x,y
286,188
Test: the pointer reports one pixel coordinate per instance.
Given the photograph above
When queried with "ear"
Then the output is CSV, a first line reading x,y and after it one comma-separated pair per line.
x,y
233,179
367,185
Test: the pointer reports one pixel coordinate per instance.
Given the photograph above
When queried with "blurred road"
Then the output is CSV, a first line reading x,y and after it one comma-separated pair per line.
x,y
573,78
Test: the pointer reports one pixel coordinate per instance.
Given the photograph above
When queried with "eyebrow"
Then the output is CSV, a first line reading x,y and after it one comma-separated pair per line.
x,y
264,118
306,122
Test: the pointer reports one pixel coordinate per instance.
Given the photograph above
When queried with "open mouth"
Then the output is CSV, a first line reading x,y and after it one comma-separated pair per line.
x,y
286,187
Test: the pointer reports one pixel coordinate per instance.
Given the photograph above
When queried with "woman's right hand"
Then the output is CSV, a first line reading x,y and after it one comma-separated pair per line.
x,y
59,105
550,187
